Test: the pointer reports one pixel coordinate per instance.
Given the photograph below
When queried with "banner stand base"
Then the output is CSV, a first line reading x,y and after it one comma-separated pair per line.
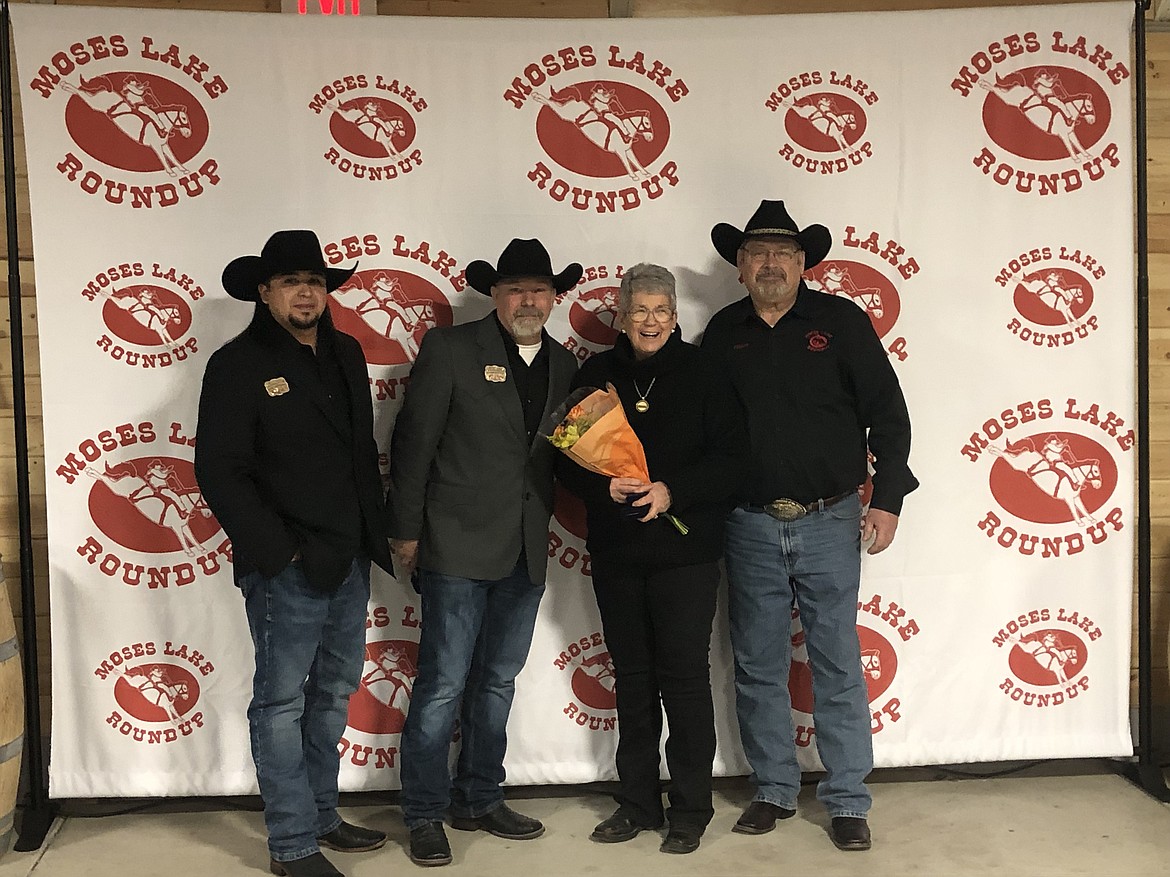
x,y
1150,778
34,825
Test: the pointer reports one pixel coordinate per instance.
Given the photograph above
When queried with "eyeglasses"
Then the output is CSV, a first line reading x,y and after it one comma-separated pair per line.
x,y
639,314
760,254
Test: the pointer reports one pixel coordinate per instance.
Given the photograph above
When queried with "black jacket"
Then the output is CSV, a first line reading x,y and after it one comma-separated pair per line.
x,y
695,439
275,466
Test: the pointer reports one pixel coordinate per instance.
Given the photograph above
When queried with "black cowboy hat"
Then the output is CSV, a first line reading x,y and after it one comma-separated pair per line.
x,y
771,218
285,253
521,258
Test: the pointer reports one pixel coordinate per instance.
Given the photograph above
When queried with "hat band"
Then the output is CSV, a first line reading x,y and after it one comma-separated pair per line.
x,y
785,231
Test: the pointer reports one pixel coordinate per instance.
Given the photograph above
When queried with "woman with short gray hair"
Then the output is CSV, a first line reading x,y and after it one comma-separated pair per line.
x,y
655,585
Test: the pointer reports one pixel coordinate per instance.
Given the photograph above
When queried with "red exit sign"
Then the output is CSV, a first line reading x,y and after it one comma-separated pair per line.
x,y
329,7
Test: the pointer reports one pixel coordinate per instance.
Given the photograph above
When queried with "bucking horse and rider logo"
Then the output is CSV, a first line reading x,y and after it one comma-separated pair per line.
x,y
156,692
380,704
825,122
388,312
1046,113
146,315
152,505
1053,478
602,129
1047,657
372,127
136,122
866,287
1054,297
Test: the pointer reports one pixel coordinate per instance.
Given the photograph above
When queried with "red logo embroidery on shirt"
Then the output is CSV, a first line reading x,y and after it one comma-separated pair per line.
x,y
818,340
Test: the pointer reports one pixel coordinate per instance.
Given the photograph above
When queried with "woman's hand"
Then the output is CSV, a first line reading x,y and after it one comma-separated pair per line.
x,y
657,500
620,488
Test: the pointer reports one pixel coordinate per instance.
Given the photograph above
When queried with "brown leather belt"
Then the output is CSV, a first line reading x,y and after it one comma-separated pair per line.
x,y
785,509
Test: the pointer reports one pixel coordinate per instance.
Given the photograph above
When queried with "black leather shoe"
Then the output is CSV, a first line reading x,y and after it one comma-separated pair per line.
x,y
760,818
502,822
850,833
350,838
428,845
315,865
619,828
682,839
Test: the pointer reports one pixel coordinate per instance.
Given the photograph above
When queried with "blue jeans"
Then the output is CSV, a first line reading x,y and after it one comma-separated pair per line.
x,y
310,648
474,641
814,563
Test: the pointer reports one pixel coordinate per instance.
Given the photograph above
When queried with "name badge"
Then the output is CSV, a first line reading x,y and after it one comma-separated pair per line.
x,y
276,387
497,374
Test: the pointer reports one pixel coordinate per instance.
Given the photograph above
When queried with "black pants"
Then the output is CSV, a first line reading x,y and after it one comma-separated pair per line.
x,y
658,630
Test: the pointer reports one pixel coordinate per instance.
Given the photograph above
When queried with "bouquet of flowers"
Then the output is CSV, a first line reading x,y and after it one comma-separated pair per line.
x,y
592,431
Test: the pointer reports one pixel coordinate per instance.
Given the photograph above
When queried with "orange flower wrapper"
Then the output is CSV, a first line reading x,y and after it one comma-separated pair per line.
x,y
593,432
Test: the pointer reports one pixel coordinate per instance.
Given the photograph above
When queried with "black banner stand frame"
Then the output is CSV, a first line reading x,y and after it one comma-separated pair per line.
x,y
1145,772
37,816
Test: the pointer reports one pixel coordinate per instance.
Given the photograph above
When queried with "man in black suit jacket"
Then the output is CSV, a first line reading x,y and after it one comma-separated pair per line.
x,y
286,458
470,499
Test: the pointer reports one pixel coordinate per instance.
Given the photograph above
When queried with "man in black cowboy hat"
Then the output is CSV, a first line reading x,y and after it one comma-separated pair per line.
x,y
470,499
285,457
815,379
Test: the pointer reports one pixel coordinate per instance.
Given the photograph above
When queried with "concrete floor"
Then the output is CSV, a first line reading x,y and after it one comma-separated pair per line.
x,y
1060,818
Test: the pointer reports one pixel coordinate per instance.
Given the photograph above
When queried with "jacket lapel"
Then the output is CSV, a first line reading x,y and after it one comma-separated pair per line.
x,y
493,356
298,371
558,376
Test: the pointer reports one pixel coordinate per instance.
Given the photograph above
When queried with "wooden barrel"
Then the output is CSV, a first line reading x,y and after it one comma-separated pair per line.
x,y
11,717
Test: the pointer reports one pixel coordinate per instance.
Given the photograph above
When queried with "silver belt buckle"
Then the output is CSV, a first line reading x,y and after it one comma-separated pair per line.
x,y
786,510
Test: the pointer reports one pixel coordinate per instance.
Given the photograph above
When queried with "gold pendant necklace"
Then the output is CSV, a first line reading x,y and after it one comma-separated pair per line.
x,y
642,406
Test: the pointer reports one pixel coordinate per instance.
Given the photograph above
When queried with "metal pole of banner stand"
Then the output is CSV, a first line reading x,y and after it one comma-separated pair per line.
x,y
1145,772
38,815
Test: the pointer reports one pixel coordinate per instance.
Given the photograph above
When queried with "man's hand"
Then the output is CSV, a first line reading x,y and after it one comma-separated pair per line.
x,y
879,526
657,499
405,553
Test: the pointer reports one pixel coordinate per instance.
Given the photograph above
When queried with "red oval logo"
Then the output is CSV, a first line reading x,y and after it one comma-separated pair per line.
x,y
1053,297
867,485
594,315
152,505
146,315
569,511
866,287
372,127
593,682
879,664
1048,657
136,121
1046,113
602,129
157,692
825,122
380,704
388,312
1053,478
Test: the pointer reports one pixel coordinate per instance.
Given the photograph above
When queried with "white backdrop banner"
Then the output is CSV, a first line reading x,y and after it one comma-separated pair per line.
x,y
975,168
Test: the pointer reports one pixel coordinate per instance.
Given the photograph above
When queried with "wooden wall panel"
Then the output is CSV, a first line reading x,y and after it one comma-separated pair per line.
x,y
680,8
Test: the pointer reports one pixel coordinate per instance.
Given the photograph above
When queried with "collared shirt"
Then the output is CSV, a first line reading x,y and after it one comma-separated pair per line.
x,y
531,380
328,368
813,385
